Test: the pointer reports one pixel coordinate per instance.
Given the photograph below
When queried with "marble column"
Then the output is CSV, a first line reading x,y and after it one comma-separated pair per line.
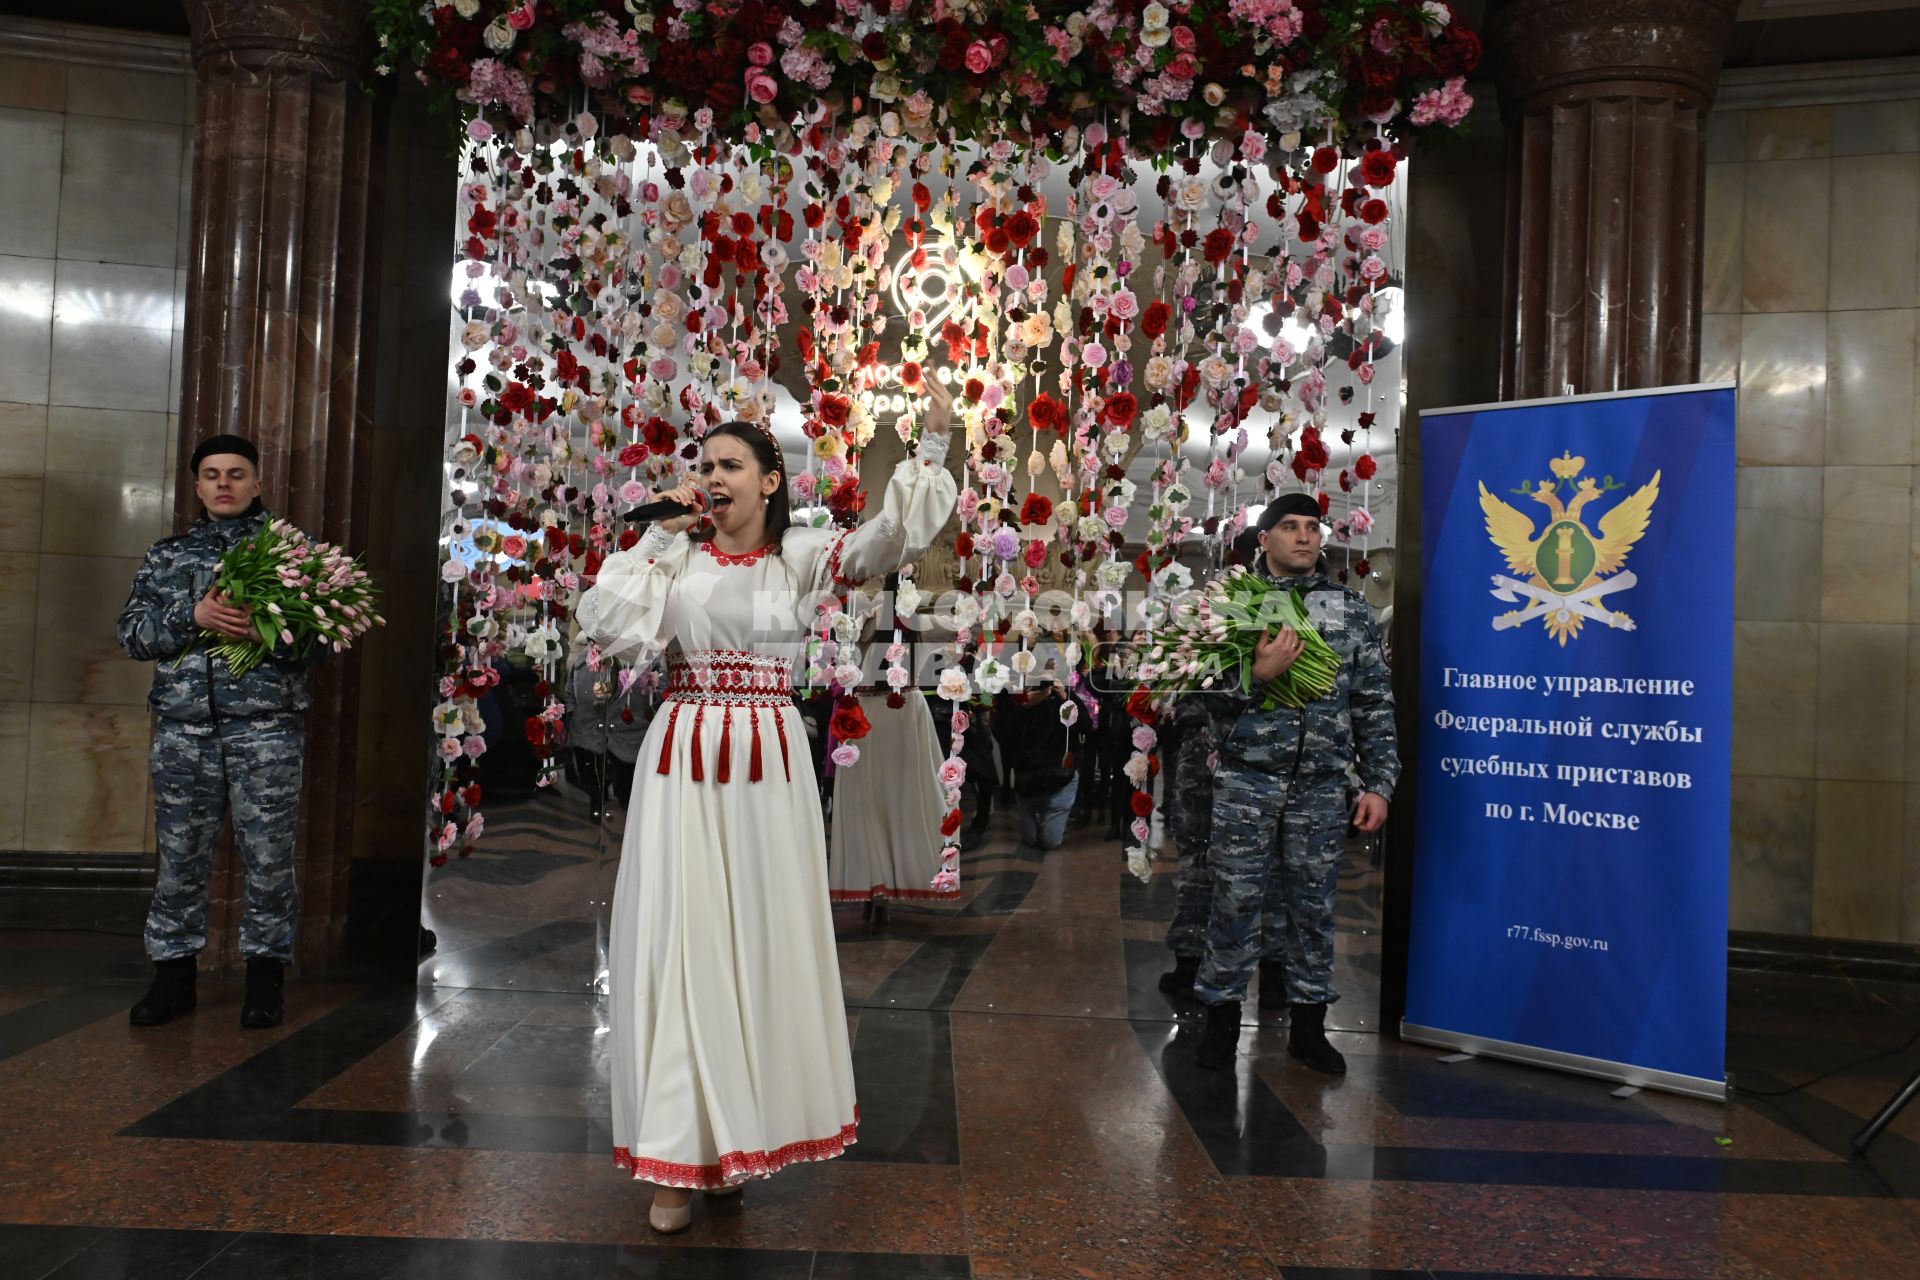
x,y
1606,108
275,322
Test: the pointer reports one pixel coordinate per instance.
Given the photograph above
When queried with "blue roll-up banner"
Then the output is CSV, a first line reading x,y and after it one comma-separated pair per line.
x,y
1576,706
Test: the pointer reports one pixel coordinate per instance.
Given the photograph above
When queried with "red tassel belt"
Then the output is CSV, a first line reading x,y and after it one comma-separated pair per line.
x,y
723,707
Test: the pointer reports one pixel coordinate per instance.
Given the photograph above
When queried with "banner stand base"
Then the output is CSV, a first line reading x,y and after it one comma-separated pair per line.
x,y
1599,1068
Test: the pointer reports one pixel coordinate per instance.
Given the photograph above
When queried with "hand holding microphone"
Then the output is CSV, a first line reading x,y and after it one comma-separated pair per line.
x,y
673,510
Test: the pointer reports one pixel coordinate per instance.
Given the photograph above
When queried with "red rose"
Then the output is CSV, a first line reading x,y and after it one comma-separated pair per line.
x,y
974,389
536,730
1036,510
1120,409
1139,705
517,398
1217,245
1373,212
1153,321
950,823
1036,553
963,545
659,436
849,722
1046,413
1021,228
1364,466
998,242
633,455
909,375
1376,168
834,410
1325,160
874,45
1142,805
922,198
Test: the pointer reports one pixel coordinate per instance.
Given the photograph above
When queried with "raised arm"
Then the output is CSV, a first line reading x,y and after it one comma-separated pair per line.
x,y
920,497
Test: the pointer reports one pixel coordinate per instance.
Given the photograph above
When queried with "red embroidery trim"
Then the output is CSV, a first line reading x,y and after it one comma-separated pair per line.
x,y
905,895
736,1166
730,677
745,557
833,559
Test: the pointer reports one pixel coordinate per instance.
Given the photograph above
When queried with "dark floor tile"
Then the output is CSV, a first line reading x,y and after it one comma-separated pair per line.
x,y
1149,900
465,1132
931,978
32,1252
49,1019
542,1055
887,1266
241,1102
290,1257
903,1075
483,965
1430,1089
1245,1128
129,1254
1727,1176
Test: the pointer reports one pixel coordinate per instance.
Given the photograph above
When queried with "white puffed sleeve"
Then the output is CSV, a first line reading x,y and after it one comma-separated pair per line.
x,y
625,612
920,497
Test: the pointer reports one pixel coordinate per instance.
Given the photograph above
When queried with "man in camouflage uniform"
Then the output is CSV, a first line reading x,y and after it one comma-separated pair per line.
x,y
1280,806
1186,742
216,738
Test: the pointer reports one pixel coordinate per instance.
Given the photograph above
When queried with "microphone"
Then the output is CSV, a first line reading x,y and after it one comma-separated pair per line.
x,y
667,509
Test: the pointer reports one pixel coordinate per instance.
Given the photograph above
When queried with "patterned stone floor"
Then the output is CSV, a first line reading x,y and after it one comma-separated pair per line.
x,y
1029,1110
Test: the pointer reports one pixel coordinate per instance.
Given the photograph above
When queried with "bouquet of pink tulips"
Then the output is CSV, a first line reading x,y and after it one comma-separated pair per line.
x,y
302,592
1209,636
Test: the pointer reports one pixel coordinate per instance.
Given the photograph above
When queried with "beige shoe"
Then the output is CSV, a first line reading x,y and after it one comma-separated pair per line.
x,y
668,1220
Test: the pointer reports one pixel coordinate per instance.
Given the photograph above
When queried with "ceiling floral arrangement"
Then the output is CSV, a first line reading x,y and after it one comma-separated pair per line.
x,y
1113,228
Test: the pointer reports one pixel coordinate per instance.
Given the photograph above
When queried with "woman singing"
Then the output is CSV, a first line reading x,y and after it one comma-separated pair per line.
x,y
729,1034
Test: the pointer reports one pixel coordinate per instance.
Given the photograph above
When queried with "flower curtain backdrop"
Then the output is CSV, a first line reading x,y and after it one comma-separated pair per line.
x,y
1151,247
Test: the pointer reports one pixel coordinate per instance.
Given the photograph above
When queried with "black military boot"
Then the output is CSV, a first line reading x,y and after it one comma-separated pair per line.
x,y
264,1004
1220,1042
1307,1040
1178,981
171,994
1273,985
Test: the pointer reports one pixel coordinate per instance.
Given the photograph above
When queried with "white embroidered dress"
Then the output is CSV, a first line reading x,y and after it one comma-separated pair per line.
x,y
887,809
728,1031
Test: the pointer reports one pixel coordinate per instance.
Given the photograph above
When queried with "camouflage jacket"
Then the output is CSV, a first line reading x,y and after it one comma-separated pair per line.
x,y
157,626
1353,725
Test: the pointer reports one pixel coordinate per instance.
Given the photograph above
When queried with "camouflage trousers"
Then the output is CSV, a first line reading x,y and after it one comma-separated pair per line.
x,y
1189,791
1275,862
254,761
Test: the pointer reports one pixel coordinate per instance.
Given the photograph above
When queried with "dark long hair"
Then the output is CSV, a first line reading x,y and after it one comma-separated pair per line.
x,y
779,508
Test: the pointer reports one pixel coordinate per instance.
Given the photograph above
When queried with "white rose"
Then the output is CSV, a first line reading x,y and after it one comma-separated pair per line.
x,y
466,8
953,685
499,36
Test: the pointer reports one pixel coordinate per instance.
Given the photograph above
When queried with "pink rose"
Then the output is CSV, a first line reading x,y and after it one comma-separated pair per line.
x,y
760,54
1123,305
1116,517
514,547
845,755
979,57
960,721
762,88
522,18
953,772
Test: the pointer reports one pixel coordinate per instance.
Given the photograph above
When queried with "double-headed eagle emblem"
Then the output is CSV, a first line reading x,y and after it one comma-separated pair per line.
x,y
1567,570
